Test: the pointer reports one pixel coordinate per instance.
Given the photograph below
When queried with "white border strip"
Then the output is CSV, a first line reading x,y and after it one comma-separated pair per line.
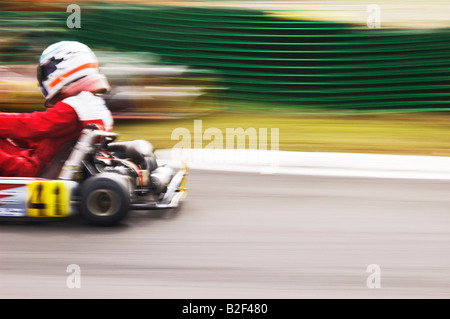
x,y
312,163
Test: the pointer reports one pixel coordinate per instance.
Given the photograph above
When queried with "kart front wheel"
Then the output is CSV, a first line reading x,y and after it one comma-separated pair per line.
x,y
105,200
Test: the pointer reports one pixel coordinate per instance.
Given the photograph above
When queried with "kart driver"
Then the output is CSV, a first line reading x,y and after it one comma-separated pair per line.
x,y
69,78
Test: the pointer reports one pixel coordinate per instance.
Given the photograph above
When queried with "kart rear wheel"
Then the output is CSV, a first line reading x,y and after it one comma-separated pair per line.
x,y
105,200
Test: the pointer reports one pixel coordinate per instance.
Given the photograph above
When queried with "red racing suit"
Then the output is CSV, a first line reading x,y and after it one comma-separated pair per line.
x,y
29,141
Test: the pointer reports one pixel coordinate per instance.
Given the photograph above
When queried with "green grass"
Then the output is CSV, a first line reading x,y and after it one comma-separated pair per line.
x,y
386,133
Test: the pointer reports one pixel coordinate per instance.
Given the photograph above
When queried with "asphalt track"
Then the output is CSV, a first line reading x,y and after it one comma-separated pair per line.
x,y
247,235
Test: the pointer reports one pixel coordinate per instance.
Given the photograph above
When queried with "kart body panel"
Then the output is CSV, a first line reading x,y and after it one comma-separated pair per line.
x,y
36,197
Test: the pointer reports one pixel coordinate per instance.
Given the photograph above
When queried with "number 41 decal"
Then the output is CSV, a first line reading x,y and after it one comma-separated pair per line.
x,y
48,199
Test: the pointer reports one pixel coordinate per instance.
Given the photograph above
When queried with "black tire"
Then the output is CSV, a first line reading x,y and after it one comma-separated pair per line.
x,y
105,199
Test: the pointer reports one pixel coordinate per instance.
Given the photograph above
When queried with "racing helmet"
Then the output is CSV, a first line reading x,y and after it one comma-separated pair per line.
x,y
69,67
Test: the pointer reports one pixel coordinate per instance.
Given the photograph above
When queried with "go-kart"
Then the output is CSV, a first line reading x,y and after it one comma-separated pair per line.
x,y
99,179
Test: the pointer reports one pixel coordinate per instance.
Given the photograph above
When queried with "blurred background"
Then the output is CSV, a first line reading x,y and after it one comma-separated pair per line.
x,y
349,76
314,61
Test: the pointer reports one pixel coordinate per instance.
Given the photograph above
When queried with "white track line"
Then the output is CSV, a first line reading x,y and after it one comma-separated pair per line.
x,y
313,163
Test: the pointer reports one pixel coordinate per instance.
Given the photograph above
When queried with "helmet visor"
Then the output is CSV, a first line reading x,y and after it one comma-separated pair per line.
x,y
44,70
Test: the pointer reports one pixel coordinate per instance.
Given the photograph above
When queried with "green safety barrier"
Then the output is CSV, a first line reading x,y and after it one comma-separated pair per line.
x,y
265,58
